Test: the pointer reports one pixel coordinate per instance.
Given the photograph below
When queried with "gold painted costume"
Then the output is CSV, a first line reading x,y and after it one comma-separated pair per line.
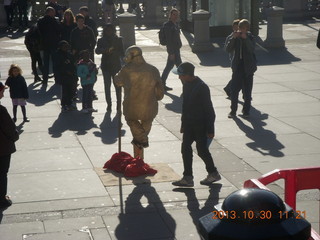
x,y
142,91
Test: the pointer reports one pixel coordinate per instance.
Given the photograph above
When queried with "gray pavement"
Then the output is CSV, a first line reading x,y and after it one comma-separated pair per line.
x,y
55,179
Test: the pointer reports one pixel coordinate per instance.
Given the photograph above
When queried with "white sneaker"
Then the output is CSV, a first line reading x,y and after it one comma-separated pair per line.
x,y
211,178
186,181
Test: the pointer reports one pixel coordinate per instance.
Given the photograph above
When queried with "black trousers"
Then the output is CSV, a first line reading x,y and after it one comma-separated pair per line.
x,y
4,168
36,58
241,80
67,93
195,133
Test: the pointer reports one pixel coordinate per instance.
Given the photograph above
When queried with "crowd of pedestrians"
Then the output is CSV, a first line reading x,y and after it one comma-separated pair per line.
x,y
69,41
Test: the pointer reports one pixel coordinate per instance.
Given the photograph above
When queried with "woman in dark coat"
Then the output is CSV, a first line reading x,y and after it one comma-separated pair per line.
x,y
111,48
8,135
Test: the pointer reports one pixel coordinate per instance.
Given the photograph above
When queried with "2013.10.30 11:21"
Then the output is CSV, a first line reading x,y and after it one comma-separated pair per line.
x,y
261,215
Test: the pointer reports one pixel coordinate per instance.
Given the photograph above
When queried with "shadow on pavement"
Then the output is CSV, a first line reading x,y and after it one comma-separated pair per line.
x,y
141,221
193,204
109,132
13,33
175,105
40,97
73,121
219,57
263,141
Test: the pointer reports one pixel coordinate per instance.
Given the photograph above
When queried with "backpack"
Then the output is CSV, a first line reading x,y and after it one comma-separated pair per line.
x,y
162,36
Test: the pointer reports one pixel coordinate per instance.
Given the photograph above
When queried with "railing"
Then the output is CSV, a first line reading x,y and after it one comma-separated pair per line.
x,y
295,179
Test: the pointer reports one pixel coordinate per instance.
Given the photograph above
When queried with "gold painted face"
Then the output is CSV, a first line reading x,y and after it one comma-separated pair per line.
x,y
132,52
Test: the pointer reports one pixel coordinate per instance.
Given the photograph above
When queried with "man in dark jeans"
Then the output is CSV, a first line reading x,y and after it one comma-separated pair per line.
x,y
172,33
50,30
197,125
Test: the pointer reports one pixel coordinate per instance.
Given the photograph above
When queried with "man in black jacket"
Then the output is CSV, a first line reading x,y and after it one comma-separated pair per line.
x,y
82,38
197,125
172,34
50,31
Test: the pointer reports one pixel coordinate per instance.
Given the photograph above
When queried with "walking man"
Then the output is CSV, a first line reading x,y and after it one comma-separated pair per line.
x,y
172,35
197,125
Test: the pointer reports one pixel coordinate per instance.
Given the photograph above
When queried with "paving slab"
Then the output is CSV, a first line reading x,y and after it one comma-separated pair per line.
x,y
68,235
17,230
26,187
73,224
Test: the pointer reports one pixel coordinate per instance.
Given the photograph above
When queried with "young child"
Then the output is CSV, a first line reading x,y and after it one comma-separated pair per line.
x,y
243,64
87,71
67,74
18,91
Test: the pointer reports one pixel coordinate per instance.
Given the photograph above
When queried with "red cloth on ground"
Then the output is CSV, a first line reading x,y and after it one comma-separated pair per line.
x,y
131,167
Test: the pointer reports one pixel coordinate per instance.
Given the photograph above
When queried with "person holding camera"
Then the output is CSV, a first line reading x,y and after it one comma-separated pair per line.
x,y
243,64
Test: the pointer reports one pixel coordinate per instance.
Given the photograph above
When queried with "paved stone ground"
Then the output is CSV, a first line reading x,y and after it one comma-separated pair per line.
x,y
54,176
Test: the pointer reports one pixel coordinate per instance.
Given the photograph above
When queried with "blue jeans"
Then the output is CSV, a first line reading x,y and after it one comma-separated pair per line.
x,y
177,61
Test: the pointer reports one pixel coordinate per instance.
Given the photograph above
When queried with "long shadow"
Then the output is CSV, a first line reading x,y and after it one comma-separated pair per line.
x,y
175,105
44,94
74,121
263,141
193,203
140,221
109,132
219,57
13,33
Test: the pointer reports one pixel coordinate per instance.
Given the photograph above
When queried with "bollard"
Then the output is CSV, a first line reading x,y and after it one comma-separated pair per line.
x,y
274,28
254,214
202,41
126,24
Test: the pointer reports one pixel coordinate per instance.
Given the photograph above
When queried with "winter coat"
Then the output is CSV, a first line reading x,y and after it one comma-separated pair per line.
x,y
8,133
172,33
82,39
87,71
50,30
66,67
197,108
242,49
111,49
18,87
